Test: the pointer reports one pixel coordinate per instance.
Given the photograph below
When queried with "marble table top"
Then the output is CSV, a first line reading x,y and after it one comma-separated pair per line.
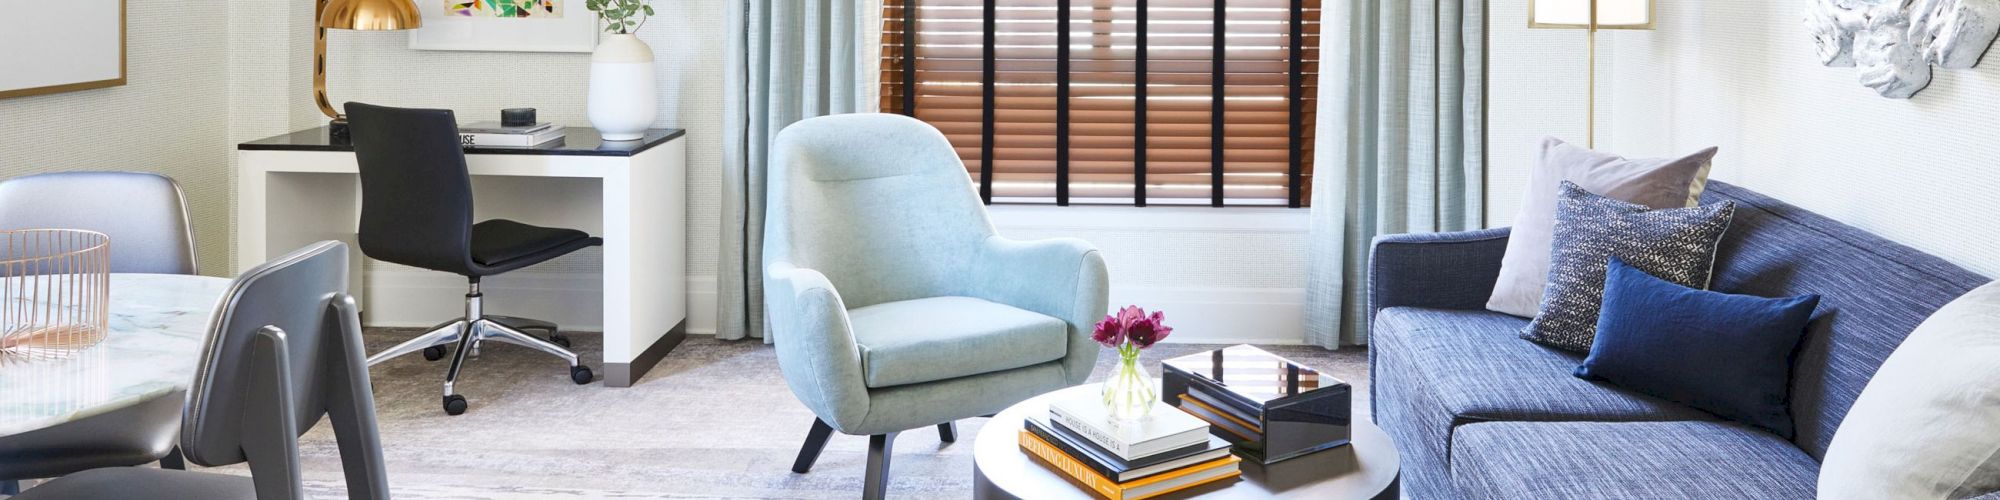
x,y
157,325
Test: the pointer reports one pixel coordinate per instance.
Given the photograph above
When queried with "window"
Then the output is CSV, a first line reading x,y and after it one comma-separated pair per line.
x,y
1113,101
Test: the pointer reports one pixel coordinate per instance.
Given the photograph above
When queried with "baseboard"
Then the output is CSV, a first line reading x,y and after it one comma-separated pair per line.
x,y
404,297
1199,315
1223,315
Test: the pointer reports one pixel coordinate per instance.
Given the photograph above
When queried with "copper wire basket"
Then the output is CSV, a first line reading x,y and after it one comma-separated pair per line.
x,y
54,288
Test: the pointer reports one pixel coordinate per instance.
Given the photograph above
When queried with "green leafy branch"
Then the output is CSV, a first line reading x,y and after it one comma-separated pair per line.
x,y
621,16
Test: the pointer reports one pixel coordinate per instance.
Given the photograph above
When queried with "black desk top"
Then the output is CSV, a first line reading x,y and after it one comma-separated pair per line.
x,y
577,141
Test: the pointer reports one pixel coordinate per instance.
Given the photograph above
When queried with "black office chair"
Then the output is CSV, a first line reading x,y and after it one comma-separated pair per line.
x,y
416,210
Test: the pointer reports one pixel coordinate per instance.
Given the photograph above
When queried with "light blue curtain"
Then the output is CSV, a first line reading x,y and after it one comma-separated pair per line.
x,y
787,60
1400,148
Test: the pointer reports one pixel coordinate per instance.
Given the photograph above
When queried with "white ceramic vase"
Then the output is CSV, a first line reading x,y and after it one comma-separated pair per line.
x,y
622,101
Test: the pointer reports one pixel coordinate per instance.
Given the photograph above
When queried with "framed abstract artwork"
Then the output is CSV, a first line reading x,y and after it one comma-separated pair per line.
x,y
77,45
506,26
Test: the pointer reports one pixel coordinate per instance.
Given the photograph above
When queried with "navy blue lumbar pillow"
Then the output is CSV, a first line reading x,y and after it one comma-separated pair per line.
x,y
1730,355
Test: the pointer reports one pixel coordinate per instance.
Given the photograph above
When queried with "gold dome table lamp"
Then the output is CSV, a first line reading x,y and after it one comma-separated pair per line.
x,y
361,15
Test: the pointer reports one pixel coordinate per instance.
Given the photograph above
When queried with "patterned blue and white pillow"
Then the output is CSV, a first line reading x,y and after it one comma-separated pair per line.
x,y
1675,244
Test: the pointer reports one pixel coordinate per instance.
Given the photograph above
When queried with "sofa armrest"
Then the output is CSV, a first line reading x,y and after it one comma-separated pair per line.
x,y
815,343
1453,270
1063,278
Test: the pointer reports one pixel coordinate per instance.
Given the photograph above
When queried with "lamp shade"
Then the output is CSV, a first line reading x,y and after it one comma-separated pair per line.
x,y
370,15
1611,14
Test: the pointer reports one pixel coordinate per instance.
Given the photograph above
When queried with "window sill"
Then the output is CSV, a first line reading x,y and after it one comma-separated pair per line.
x,y
1186,218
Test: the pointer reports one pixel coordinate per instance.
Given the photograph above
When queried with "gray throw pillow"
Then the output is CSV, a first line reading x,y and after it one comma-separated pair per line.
x,y
1675,244
1653,182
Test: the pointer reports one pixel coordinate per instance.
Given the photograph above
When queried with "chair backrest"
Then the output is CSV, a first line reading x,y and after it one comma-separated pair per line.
x,y
1873,293
284,349
144,213
416,196
879,203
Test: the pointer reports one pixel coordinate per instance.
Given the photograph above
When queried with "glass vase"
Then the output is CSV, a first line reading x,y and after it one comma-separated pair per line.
x,y
1129,394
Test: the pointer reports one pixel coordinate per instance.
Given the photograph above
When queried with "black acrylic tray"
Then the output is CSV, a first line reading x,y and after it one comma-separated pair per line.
x,y
1270,407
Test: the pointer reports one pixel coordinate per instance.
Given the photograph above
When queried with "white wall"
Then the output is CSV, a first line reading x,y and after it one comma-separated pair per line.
x,y
1235,278
170,117
1743,76
1536,87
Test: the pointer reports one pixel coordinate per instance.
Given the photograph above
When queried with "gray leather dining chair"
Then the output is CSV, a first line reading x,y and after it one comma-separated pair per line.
x,y
283,351
146,217
144,213
893,303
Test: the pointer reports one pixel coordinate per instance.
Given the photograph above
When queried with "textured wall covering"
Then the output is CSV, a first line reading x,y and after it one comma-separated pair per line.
x,y
170,117
1535,88
1744,76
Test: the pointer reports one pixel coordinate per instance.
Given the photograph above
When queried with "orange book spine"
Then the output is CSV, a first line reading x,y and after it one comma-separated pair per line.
x,y
1102,486
1231,475
1069,467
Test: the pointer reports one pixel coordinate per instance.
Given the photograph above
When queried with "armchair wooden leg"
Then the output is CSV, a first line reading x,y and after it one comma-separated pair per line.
x,y
948,432
879,446
815,441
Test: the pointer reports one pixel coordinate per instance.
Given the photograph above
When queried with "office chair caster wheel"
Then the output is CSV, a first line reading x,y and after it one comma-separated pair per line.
x,y
559,339
454,404
433,353
580,374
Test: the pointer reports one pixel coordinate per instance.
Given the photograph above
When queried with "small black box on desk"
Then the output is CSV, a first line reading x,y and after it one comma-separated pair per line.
x,y
1271,408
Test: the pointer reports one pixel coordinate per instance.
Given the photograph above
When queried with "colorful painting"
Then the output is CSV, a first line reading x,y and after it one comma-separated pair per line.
x,y
504,8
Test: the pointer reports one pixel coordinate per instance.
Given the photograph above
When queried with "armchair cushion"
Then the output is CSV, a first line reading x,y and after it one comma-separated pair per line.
x,y
931,339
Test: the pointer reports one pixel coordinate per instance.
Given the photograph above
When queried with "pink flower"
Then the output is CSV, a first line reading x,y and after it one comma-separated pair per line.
x,y
1109,332
1131,324
1145,331
1130,314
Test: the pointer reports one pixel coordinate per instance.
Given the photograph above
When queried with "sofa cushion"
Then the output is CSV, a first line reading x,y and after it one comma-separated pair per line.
x,y
1726,354
1605,460
1653,182
930,339
1675,244
1473,365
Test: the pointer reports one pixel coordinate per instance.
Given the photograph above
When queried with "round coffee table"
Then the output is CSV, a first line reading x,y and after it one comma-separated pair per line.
x,y
1365,469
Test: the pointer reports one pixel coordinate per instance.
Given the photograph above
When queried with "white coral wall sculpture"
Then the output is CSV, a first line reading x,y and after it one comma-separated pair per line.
x,y
1894,43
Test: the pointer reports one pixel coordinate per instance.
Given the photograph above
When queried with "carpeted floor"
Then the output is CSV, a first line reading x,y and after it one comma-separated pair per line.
x,y
714,420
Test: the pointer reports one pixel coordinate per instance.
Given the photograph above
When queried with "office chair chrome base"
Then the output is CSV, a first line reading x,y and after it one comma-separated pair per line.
x,y
476,327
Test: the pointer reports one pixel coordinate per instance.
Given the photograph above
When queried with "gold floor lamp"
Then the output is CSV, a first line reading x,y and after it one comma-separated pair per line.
x,y
1591,15
362,15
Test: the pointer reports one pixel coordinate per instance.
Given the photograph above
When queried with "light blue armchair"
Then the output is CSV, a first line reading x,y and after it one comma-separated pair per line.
x,y
893,304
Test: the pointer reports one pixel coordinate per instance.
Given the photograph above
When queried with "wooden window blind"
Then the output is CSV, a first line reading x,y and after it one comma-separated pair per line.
x,y
1114,101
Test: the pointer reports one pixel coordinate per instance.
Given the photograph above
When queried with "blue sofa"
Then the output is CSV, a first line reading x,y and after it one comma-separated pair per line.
x,y
1479,413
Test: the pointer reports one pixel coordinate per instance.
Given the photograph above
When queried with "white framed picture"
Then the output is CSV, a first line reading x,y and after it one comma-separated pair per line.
x,y
50,46
506,26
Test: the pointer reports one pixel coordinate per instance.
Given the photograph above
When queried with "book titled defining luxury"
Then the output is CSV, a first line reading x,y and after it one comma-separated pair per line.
x,y
1165,429
1118,469
490,133
1076,471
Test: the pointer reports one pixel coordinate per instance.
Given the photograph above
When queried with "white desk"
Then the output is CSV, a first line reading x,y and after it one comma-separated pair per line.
x,y
302,187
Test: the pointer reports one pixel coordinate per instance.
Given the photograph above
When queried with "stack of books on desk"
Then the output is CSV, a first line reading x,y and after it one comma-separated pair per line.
x,y
1168,452
492,133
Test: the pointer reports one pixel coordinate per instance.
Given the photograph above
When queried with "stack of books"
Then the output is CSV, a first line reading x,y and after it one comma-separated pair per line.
x,y
491,133
1168,452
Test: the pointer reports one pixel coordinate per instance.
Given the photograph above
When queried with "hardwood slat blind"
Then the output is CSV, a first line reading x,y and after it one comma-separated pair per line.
x,y
1114,101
